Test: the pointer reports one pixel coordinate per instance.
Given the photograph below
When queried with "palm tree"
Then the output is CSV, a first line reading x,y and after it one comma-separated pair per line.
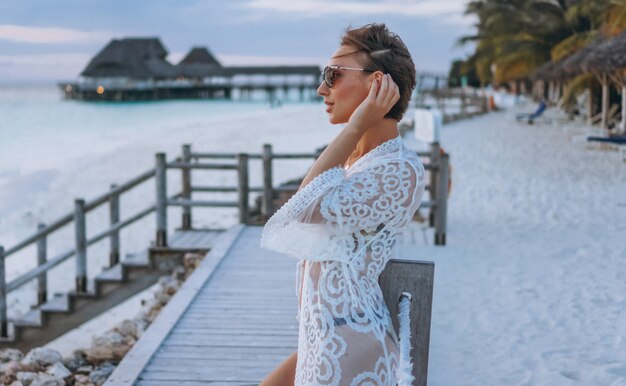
x,y
514,37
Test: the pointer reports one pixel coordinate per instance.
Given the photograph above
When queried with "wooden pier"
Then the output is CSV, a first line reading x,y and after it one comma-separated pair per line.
x,y
234,319
231,322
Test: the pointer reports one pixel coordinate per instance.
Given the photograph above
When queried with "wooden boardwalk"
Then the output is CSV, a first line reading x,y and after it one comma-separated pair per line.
x,y
231,323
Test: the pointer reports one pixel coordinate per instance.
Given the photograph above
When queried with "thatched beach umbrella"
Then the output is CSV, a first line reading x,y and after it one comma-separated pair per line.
x,y
608,60
572,67
538,79
572,64
551,74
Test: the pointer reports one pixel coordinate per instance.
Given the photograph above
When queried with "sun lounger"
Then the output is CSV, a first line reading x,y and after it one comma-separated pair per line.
x,y
616,139
531,117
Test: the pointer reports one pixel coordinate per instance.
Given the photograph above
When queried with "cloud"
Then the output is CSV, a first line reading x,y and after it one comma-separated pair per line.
x,y
316,8
42,67
460,19
50,35
259,60
70,59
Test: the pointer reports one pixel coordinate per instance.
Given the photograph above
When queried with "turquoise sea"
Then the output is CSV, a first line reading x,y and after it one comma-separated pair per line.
x,y
39,129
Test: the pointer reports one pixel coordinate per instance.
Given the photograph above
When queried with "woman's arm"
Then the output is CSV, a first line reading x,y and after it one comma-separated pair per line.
x,y
372,109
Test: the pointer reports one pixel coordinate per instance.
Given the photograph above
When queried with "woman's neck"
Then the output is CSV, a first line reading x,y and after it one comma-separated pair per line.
x,y
383,131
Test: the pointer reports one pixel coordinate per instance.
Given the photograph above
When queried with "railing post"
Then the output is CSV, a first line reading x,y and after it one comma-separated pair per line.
x,y
81,245
318,152
267,208
114,215
432,190
186,184
442,200
42,292
242,187
463,104
4,328
161,200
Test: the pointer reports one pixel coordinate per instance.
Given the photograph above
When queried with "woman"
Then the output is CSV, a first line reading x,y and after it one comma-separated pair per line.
x,y
344,220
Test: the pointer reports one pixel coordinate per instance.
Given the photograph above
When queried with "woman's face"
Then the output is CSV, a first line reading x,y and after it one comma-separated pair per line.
x,y
349,88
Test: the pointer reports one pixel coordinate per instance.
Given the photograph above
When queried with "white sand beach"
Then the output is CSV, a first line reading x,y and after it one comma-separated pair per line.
x,y
529,289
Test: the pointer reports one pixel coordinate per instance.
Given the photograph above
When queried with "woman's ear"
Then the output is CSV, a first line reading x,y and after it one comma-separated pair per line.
x,y
378,75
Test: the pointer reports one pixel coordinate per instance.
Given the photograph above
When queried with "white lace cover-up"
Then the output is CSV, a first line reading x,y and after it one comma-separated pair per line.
x,y
343,227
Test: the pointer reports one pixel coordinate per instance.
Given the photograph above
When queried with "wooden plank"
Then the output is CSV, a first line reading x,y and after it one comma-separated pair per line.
x,y
136,359
240,329
207,305
234,340
203,373
211,369
237,304
236,324
215,299
222,318
265,325
415,277
223,352
195,383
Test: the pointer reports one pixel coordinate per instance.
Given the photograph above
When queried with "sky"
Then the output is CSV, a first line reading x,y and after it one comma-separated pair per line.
x,y
53,40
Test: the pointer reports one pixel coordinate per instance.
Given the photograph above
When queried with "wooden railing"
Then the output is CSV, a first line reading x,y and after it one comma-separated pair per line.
x,y
438,188
469,102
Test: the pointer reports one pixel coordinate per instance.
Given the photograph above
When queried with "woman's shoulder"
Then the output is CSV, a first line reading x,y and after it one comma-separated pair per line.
x,y
402,154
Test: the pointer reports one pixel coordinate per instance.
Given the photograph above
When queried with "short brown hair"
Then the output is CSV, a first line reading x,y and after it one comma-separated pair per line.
x,y
385,51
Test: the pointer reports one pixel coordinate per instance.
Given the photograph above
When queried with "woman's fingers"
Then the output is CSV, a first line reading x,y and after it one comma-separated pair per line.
x,y
373,90
384,89
391,95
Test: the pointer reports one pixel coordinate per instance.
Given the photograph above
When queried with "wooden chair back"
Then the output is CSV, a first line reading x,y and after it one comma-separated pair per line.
x,y
416,278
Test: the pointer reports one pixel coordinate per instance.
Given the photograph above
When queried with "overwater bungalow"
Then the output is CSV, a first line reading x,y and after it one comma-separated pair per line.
x,y
137,69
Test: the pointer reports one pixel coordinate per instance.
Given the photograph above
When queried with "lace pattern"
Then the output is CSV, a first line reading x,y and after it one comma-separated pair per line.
x,y
343,227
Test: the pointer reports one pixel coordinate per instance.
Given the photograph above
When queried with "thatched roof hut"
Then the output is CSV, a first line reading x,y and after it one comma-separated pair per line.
x,y
547,71
137,58
197,63
200,55
145,58
539,72
608,56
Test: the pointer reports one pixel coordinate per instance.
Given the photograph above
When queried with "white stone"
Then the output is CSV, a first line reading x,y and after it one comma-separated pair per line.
x,y
127,327
11,354
163,298
59,371
39,379
163,280
109,338
42,357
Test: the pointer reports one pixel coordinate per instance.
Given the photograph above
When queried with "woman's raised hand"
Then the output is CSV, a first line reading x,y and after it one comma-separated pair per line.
x,y
377,103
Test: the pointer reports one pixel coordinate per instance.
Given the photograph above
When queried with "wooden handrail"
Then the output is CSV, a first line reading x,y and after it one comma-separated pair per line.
x,y
88,207
438,166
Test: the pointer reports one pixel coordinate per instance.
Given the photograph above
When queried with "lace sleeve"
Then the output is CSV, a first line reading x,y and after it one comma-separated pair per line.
x,y
318,222
374,197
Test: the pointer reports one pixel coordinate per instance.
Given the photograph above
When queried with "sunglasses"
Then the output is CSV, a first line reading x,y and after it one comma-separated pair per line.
x,y
330,72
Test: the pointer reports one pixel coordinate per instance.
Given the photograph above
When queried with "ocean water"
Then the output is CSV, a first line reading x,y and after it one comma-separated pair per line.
x,y
40,130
